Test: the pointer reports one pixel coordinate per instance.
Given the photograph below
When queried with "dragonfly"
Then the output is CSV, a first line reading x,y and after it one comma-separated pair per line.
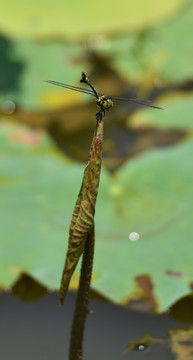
x,y
105,102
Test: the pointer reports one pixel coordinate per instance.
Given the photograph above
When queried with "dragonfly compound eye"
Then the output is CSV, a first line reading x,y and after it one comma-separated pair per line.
x,y
109,103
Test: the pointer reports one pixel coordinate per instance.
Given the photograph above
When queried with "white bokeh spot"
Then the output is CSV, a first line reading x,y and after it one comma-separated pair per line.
x,y
134,236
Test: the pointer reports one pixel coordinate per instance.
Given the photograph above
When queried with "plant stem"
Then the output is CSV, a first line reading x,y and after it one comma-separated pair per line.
x,y
81,308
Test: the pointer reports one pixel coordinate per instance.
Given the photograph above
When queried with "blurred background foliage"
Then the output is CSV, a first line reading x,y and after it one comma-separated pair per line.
x,y
139,49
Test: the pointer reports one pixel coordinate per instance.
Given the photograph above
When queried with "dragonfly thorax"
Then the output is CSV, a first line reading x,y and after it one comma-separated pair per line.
x,y
104,102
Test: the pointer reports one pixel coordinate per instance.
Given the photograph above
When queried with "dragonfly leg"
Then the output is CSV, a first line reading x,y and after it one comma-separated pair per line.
x,y
100,114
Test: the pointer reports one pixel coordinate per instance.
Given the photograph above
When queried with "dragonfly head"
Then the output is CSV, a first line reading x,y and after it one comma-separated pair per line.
x,y
104,102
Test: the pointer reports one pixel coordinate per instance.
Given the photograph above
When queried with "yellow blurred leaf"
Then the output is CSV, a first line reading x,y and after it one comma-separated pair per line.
x,y
81,18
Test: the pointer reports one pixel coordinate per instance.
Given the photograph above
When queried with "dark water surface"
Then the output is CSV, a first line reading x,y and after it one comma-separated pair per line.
x,y
40,330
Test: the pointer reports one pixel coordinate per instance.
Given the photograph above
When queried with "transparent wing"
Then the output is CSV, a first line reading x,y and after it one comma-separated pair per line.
x,y
70,87
140,102
90,92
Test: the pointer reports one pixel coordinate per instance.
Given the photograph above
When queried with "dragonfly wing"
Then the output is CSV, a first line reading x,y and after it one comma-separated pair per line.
x,y
70,87
136,101
91,92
